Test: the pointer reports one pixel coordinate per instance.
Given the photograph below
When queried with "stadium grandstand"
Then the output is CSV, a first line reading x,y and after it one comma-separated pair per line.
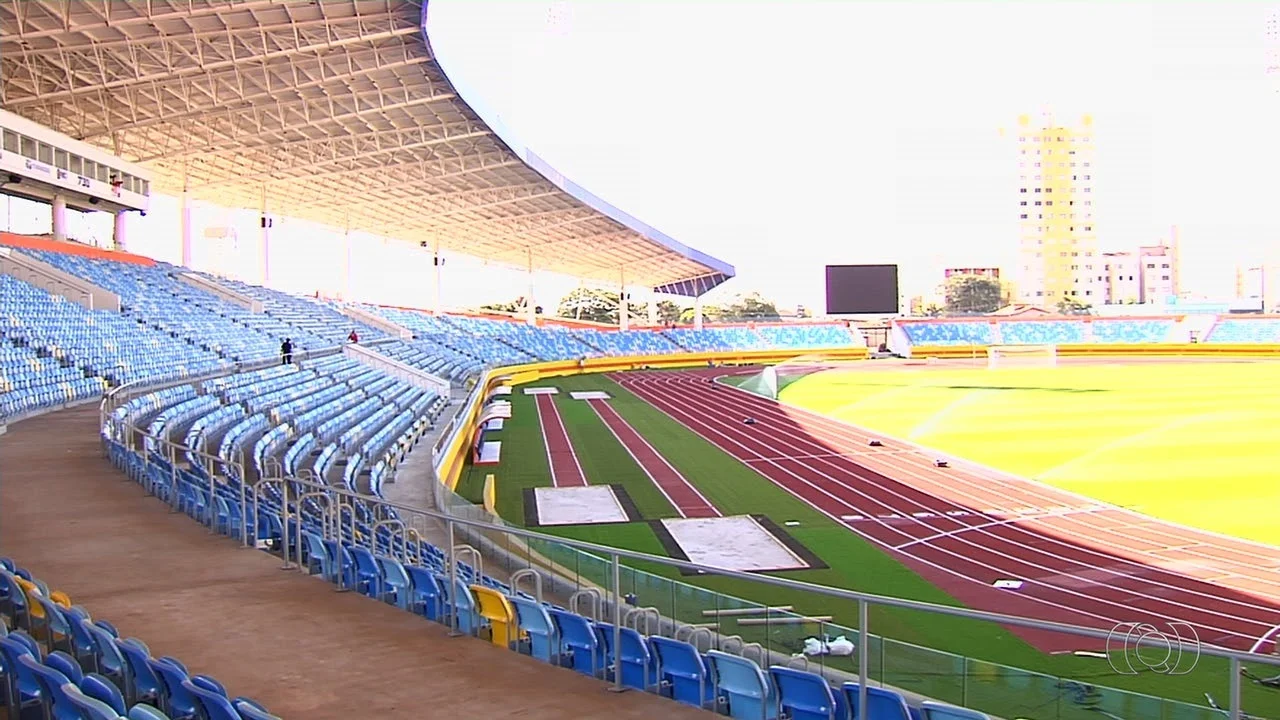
x,y
341,461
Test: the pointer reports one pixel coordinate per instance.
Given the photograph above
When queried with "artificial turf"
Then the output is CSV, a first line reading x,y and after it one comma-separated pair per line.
x,y
853,563
1193,443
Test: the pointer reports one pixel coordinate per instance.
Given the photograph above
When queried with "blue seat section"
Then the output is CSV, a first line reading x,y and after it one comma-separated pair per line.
x,y
717,339
1131,331
1036,332
70,666
809,336
309,317
949,333
154,296
620,343
1248,331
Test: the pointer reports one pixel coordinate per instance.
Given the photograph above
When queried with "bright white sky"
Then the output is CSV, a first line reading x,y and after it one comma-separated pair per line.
x,y
783,135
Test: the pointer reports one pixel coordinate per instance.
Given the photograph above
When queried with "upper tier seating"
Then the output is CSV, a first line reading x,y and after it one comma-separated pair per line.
x,y
309,317
949,333
619,343
59,662
716,339
1035,332
1131,331
807,336
365,553
1246,330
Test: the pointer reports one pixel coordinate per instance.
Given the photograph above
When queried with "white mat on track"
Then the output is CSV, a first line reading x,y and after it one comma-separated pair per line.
x,y
732,543
502,390
541,391
494,424
578,505
590,395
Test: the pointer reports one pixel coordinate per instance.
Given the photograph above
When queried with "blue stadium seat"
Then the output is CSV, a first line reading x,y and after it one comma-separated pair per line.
x,y
682,672
804,695
938,711
882,703
742,688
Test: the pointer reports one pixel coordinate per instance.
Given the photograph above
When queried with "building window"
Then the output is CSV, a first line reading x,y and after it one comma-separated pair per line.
x,y
1164,277
1088,292
1023,216
1088,228
1151,266
1022,189
1165,266
1039,293
1023,202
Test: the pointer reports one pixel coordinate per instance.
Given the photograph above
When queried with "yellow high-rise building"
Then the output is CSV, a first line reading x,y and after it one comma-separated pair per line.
x,y
1058,243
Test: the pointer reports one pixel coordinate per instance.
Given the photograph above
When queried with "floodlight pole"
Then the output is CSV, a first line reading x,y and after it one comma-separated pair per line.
x,y
265,223
184,218
697,312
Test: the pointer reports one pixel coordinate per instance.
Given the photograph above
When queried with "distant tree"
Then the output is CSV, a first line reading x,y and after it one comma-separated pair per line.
x,y
709,312
973,294
519,305
934,310
749,308
595,305
1071,306
668,312
509,307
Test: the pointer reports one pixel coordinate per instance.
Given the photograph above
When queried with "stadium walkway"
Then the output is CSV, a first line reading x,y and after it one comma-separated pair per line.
x,y
289,641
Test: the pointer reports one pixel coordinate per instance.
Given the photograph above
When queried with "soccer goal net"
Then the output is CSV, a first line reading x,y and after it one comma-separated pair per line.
x,y
1007,356
770,381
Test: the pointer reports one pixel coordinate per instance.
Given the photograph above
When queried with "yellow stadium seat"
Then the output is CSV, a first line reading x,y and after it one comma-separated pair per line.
x,y
60,598
494,607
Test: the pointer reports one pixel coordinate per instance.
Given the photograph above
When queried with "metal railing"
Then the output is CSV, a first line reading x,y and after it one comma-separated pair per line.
x,y
571,570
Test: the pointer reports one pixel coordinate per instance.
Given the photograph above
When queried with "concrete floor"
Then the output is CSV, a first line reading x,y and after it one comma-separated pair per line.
x,y
289,641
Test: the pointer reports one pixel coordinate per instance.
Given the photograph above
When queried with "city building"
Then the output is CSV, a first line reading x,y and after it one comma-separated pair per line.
x,y
988,272
1058,244
1148,275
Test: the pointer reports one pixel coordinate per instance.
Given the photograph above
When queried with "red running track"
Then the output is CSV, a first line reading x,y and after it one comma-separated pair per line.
x,y
679,492
566,471
966,526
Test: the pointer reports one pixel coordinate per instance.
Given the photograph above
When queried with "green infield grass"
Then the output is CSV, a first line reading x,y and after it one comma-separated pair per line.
x,y
1194,443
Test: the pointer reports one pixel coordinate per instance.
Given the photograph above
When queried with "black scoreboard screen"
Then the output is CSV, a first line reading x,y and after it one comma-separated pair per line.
x,y
862,290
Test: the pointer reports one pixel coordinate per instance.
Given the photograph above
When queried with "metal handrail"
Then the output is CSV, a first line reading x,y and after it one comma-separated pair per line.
x,y
596,601
516,577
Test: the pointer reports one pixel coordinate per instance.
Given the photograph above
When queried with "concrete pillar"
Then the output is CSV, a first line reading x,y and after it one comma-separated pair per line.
x,y
59,217
653,308
697,313
624,303
184,219
118,232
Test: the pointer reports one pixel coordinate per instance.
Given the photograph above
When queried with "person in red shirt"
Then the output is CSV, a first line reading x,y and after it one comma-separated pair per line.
x,y
353,337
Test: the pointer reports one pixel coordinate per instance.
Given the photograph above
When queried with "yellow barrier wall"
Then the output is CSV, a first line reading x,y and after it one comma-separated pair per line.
x,y
490,494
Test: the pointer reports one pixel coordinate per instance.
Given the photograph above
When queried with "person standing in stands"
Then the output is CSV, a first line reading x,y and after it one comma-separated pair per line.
x,y
353,337
286,351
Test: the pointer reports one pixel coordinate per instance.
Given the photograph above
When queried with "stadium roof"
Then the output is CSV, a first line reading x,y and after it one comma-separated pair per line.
x,y
333,111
